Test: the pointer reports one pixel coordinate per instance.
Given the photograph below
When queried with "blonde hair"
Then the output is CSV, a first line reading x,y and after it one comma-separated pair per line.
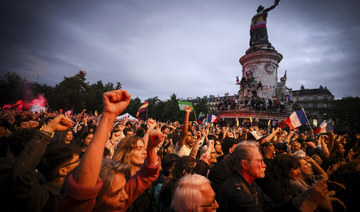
x,y
124,148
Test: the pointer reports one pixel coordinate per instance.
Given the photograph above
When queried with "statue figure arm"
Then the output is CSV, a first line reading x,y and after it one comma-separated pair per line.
x,y
272,7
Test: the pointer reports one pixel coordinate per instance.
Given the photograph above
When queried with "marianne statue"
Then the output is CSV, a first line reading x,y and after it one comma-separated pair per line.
x,y
258,32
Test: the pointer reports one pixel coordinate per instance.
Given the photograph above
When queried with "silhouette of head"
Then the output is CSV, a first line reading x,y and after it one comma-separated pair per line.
x,y
260,8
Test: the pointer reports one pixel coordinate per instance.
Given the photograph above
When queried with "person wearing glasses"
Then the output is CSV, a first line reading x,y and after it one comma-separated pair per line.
x,y
194,193
241,193
57,162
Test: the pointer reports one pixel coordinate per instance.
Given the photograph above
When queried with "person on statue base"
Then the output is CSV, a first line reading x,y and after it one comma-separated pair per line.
x,y
258,31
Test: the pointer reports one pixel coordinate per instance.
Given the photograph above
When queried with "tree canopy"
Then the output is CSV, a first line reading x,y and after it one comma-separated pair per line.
x,y
75,93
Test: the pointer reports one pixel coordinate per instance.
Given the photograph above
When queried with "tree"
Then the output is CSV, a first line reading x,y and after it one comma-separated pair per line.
x,y
134,107
201,107
11,86
94,96
346,115
154,109
171,110
45,89
70,93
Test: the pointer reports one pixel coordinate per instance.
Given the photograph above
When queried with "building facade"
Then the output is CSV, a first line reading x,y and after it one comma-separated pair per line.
x,y
316,102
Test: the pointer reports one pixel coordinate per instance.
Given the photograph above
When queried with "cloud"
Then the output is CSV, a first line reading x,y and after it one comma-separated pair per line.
x,y
190,48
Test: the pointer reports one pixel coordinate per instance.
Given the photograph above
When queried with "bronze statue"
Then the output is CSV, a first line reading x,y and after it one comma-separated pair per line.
x,y
258,31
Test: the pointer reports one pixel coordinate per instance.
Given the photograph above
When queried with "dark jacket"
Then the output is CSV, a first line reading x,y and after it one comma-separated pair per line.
x,y
219,174
238,195
20,189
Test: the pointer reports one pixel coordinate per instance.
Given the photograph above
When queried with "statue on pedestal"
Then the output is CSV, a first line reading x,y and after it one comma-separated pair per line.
x,y
282,90
258,31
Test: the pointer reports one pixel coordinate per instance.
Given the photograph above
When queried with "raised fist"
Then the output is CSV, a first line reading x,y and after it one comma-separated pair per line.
x,y
59,123
116,101
155,138
151,123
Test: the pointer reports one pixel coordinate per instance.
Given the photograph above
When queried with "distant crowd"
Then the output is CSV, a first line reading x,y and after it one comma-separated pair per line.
x,y
256,103
80,162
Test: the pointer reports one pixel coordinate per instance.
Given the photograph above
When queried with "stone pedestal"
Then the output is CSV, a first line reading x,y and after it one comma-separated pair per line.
x,y
261,66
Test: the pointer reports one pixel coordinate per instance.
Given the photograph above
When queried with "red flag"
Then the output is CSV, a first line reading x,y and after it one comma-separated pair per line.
x,y
142,108
19,102
282,124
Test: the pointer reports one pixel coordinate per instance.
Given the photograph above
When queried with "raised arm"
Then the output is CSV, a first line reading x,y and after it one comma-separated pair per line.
x,y
272,7
151,123
269,137
324,147
316,166
195,147
154,139
330,145
79,117
89,168
288,137
22,173
185,127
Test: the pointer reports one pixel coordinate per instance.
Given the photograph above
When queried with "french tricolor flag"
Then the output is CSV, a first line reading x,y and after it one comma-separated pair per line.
x,y
325,127
296,119
212,118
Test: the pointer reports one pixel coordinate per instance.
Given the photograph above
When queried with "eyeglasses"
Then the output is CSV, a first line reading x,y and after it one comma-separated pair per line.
x,y
212,205
68,164
258,160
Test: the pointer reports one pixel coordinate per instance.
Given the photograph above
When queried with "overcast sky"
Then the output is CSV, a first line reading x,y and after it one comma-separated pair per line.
x,y
187,47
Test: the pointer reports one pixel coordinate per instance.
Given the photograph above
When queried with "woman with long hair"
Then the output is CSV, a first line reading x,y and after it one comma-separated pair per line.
x,y
132,150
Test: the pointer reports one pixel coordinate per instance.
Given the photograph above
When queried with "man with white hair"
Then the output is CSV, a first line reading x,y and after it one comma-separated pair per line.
x,y
241,193
194,193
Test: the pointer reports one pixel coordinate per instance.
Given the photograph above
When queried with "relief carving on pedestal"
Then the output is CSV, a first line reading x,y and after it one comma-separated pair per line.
x,y
270,68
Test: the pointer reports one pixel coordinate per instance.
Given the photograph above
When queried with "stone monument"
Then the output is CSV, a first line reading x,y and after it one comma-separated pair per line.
x,y
258,85
260,63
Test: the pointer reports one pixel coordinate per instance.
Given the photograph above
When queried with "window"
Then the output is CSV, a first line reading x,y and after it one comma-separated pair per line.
x,y
315,122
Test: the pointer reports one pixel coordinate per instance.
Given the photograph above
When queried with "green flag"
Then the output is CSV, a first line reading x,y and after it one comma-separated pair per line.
x,y
183,104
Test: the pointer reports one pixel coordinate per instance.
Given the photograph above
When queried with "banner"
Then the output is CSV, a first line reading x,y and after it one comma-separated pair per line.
x,y
183,104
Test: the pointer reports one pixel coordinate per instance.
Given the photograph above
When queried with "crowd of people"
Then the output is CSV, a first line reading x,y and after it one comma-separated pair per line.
x,y
78,162
256,103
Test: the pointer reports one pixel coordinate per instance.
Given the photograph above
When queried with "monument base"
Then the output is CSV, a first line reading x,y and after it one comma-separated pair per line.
x,y
265,47
247,114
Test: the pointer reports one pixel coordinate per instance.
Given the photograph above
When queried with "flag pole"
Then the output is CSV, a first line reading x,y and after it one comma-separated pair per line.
x,y
308,123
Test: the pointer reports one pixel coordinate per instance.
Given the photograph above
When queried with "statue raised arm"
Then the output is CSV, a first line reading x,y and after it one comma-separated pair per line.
x,y
258,31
